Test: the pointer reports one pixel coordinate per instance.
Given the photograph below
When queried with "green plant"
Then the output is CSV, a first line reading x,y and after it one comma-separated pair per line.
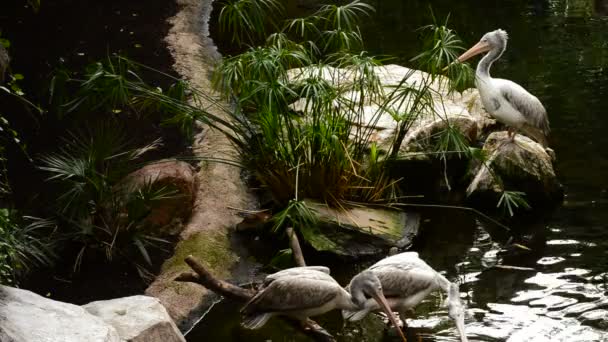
x,y
512,200
247,20
94,206
114,87
441,49
23,246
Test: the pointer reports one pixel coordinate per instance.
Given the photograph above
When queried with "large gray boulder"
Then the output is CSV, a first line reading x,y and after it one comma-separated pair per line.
x,y
137,319
28,317
523,165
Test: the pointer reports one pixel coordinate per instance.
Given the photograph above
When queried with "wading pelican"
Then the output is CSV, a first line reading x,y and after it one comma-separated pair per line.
x,y
505,100
303,292
406,280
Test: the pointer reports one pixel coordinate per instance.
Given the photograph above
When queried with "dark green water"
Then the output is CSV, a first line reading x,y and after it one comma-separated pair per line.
x,y
558,50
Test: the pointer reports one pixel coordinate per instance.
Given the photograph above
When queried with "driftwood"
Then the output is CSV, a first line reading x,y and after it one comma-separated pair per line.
x,y
203,277
296,250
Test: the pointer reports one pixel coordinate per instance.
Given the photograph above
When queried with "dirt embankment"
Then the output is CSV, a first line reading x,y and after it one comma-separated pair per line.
x,y
207,234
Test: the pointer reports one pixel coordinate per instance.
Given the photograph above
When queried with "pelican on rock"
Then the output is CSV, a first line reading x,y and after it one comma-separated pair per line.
x,y
406,280
505,100
302,292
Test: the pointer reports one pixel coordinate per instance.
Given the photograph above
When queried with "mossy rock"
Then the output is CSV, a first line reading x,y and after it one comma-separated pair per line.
x,y
360,231
211,248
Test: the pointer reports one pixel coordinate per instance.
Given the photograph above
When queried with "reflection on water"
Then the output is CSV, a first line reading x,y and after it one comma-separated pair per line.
x,y
557,291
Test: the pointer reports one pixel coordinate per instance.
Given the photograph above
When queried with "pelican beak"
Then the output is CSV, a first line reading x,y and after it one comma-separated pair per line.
x,y
379,297
478,48
460,327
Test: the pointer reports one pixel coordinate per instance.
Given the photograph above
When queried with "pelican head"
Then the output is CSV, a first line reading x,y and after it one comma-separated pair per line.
x,y
495,41
456,310
366,284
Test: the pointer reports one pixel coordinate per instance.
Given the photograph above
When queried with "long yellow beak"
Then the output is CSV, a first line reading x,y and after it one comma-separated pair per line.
x,y
379,297
475,50
478,48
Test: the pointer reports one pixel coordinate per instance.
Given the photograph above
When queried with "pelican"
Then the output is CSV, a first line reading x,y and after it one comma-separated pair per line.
x,y
302,292
406,280
505,100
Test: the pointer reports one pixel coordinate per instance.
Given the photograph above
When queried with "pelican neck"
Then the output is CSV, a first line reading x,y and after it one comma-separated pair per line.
x,y
484,65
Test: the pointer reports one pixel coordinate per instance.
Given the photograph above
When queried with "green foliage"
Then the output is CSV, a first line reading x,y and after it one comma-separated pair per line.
x,y
296,214
95,208
23,246
510,201
441,49
114,87
247,20
452,141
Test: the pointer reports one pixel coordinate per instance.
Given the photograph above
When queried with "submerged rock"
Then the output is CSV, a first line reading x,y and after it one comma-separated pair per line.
x,y
523,165
360,231
137,319
28,317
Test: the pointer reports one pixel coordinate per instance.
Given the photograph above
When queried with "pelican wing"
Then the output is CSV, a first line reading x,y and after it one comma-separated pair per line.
x,y
293,293
402,280
406,259
312,272
524,102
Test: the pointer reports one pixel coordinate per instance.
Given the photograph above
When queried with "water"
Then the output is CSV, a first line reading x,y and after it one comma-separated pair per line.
x,y
558,50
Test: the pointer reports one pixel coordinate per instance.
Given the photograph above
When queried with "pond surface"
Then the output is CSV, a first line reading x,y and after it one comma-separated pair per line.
x,y
558,50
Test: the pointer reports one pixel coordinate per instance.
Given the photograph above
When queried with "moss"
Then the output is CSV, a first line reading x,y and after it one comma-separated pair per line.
x,y
212,248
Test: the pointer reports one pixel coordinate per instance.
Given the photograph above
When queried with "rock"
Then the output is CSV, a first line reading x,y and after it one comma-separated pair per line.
x,y
175,175
472,101
137,319
418,138
378,118
28,317
4,62
360,231
523,166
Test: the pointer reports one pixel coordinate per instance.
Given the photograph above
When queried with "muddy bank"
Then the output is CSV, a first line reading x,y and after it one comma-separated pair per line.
x,y
207,235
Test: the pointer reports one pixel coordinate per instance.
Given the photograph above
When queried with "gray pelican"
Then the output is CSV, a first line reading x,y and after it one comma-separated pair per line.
x,y
302,292
406,280
505,100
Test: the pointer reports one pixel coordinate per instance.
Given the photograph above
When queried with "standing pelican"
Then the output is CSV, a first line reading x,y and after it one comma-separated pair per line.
x,y
505,100
406,280
302,292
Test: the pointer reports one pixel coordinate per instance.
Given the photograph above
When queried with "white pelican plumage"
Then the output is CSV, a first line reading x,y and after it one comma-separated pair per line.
x,y
505,100
303,292
406,280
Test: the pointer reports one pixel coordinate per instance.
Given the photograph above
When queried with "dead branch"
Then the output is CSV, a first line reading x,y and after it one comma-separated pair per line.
x,y
216,285
295,247
203,277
